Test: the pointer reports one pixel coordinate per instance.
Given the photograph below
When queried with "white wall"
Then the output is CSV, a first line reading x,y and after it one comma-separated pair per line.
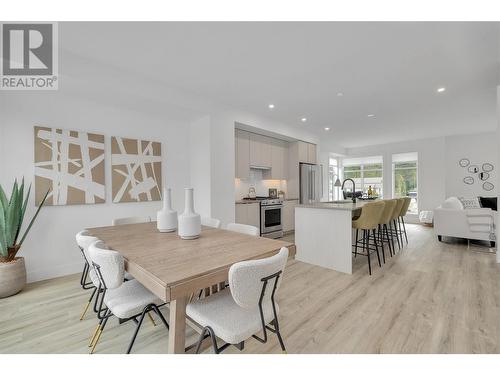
x,y
197,142
261,186
439,175
431,167
478,148
50,248
498,164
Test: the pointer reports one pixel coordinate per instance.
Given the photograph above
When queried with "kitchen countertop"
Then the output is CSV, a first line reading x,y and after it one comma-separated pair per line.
x,y
336,206
246,201
249,201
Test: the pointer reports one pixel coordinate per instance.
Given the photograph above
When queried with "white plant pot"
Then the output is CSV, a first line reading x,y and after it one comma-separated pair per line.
x,y
166,219
189,221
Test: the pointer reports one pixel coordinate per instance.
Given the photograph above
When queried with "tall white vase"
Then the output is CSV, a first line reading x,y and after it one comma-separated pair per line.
x,y
166,219
189,221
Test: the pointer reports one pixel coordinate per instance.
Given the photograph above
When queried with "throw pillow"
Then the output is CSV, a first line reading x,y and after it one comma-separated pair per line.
x,y
488,202
469,203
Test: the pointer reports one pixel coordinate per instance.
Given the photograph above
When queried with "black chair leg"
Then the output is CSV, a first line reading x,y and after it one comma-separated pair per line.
x,y
88,304
139,323
404,228
400,231
278,333
397,234
367,241
158,312
381,239
356,245
388,239
376,248
211,334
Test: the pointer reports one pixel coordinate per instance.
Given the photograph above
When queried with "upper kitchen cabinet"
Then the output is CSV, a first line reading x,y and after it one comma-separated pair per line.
x,y
279,157
307,152
260,151
311,153
242,150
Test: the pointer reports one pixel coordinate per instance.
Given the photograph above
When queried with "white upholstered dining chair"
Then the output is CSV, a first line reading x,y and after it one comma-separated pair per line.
x,y
243,228
210,222
131,220
247,307
88,279
127,300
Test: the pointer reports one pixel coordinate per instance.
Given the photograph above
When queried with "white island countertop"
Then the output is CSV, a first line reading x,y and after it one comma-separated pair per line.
x,y
324,235
337,206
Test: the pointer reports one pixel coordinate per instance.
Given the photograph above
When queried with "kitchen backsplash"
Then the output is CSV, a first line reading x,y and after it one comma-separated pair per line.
x,y
261,186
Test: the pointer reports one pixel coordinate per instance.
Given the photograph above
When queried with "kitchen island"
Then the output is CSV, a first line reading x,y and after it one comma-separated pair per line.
x,y
324,235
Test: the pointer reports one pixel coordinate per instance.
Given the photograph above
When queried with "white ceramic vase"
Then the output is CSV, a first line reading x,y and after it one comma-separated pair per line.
x,y
189,221
166,219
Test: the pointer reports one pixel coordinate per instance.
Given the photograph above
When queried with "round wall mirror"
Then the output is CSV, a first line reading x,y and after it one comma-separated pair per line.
x,y
469,180
487,167
473,169
483,176
464,162
488,186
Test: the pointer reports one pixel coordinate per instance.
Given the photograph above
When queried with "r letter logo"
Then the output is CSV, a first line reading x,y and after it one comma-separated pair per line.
x,y
29,56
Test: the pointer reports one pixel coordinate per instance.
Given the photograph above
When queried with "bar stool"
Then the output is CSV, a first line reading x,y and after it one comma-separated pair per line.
x,y
404,210
385,220
368,221
394,221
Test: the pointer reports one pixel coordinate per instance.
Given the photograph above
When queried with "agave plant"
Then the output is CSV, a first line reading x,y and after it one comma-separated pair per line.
x,y
11,219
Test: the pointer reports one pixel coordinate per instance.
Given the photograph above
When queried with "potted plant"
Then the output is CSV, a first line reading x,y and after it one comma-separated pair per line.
x,y
12,268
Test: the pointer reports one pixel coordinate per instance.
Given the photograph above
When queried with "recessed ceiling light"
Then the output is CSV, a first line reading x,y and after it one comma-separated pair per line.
x,y
371,115
303,119
271,106
327,129
441,89
340,94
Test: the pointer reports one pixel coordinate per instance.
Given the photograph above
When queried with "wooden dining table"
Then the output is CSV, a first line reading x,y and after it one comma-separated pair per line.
x,y
176,270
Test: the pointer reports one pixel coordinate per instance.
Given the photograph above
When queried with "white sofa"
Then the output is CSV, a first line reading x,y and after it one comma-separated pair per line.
x,y
452,220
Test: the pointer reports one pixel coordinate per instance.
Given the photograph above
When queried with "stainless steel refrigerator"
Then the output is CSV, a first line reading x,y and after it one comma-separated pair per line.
x,y
311,183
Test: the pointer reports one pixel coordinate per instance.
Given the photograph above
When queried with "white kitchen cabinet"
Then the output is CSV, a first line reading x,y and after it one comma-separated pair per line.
x,y
279,159
253,214
303,152
260,151
241,213
242,151
248,213
311,153
307,152
289,215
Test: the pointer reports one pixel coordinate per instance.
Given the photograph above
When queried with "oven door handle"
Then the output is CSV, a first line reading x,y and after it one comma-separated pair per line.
x,y
272,207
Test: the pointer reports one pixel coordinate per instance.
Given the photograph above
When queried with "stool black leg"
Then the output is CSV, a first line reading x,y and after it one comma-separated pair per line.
x,y
388,239
381,239
356,245
367,241
396,233
404,228
376,248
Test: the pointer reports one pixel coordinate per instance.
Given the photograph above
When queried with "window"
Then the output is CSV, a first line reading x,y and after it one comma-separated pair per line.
x,y
333,174
366,172
404,177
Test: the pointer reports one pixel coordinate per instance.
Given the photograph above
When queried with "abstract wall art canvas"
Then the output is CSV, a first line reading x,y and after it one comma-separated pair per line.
x,y
136,170
70,164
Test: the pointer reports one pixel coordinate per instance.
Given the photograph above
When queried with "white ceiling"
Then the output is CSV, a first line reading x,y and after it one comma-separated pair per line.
x,y
391,70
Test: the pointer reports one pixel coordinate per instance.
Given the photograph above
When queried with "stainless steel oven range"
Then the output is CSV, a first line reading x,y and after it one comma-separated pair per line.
x,y
271,218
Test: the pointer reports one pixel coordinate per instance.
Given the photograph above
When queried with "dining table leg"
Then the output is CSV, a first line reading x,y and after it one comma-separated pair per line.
x,y
177,330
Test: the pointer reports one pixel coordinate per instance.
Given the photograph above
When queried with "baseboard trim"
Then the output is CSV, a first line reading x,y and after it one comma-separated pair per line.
x,y
53,272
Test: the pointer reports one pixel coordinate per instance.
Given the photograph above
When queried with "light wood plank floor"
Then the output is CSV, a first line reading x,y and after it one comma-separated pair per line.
x,y
431,298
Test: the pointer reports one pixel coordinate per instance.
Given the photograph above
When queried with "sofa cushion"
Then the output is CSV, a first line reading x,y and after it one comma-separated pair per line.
x,y
488,202
469,203
452,203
